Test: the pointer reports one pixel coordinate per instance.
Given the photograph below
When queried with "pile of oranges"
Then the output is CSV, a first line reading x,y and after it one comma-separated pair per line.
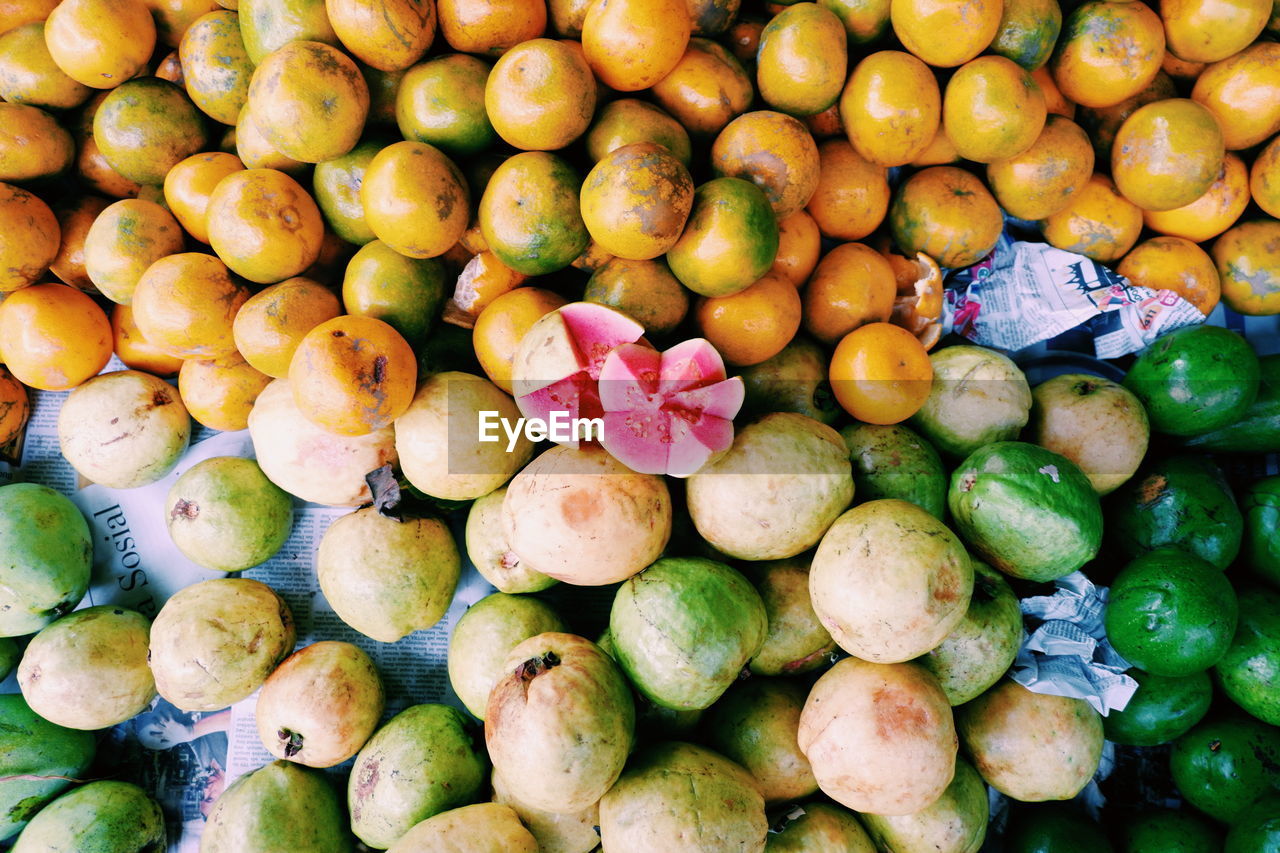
x,y
242,190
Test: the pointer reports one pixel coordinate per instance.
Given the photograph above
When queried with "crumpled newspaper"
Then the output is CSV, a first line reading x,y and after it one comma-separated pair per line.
x,y
1067,653
1024,293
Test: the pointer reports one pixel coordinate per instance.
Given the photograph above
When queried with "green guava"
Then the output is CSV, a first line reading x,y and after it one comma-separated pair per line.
x,y
955,823
555,833
1170,831
1257,828
978,397
1162,709
894,462
38,760
819,828
281,807
794,380
755,724
795,641
1055,828
46,552
1249,672
1260,551
101,817
479,828
1224,763
1071,411
489,552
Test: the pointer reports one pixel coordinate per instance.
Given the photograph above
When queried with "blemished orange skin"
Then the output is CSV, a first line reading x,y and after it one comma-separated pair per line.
x,y
632,44
389,35
264,225
353,375
184,305
268,25
134,350
1264,178
220,393
483,279
646,291
1212,30
256,152
775,152
852,195
1028,31
15,13
170,68
215,66
415,199
592,258
864,20
32,237
499,328
880,373
1172,263
1042,180
125,239
1103,123
490,26
272,322
32,144
948,214
189,185
992,109
628,120
147,126
803,60
1108,51
705,89
939,152
1248,261
1181,69
53,337
100,43
825,124
1054,101
14,407
853,285
752,325
541,95
799,245
74,218
1243,93
174,17
1213,212
943,33
1167,154
1098,223
28,74
567,16
636,201
891,107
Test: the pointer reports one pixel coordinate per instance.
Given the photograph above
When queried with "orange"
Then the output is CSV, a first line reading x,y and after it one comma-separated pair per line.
x,y
939,152
752,325
53,337
1200,31
567,17
1055,102
1028,31
644,290
1172,263
134,350
271,323
441,102
540,95
1243,93
309,101
100,43
592,258
490,26
1098,222
389,35
636,201
15,13
126,239
706,89
946,33
170,68
803,60
775,152
632,44
799,245
853,285
97,173
1264,178
215,66
529,213
1042,180
1167,154
31,237
336,187
918,304
1213,212
744,38
891,107
483,279
28,74
264,225
220,393
382,95
730,241
1248,260
826,124
146,127
992,109
628,120
881,374
32,144
405,293
353,375
184,305
852,194
1102,123
1181,69
503,323
328,265
946,213
415,199
256,152
74,219
268,25
865,21
1108,51
189,185
174,17
15,408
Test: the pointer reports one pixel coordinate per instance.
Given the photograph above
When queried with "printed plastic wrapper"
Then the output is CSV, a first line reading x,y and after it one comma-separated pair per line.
x,y
1024,293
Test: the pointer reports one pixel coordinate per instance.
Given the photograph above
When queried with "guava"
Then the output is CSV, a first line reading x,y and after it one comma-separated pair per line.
x,y
424,761
890,581
1224,763
981,647
684,628
978,397
321,705
278,808
46,552
1096,423
954,823
1260,550
818,828
583,517
38,761
215,642
559,723
123,429
880,737
1257,828
1249,672
755,724
795,641
89,669
892,461
775,492
1031,746
480,828
489,552
1056,828
101,817
555,833
1162,709
485,635
439,439
10,654
1170,831
794,380
225,514
309,462
680,798
388,578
